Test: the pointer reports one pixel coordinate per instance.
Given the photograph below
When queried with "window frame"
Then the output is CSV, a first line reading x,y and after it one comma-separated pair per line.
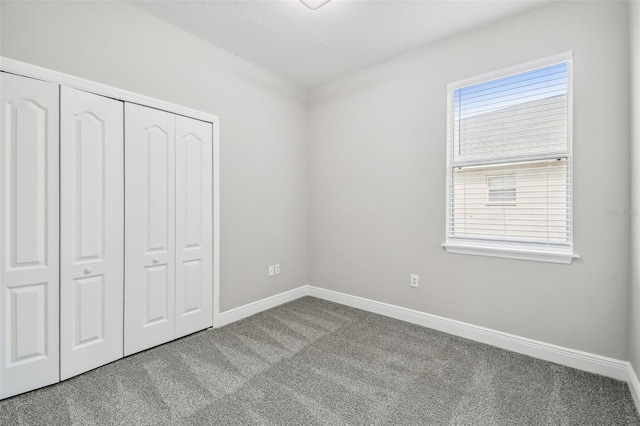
x,y
522,251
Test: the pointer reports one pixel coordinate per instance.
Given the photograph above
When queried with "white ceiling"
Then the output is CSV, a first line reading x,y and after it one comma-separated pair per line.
x,y
312,47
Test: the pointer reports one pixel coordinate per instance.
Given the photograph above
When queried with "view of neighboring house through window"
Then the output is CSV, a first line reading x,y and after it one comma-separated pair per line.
x,y
501,189
509,161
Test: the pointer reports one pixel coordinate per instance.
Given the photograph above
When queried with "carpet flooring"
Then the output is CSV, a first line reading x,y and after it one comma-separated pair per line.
x,y
313,362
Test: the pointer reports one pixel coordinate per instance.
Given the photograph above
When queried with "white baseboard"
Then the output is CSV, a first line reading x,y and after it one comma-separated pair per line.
x,y
634,386
592,363
236,314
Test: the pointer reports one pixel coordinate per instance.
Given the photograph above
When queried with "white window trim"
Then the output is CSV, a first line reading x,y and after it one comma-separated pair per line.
x,y
514,252
505,250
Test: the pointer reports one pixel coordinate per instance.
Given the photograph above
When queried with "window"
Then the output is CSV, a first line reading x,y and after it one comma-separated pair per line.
x,y
501,190
509,164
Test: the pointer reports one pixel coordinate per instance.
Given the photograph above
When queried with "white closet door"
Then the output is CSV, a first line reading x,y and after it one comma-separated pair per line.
x,y
149,227
194,222
92,229
29,282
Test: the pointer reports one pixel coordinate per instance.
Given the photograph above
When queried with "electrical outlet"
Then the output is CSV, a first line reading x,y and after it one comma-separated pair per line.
x,y
415,281
277,268
271,271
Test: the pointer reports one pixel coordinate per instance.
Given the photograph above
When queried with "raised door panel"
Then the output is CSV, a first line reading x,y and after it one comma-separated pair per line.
x,y
194,225
29,272
92,226
149,227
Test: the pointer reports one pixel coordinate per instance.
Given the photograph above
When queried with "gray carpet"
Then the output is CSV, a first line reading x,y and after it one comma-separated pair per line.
x,y
313,362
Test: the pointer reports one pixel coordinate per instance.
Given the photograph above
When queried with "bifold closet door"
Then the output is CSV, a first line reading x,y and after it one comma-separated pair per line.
x,y
29,263
92,229
194,223
149,227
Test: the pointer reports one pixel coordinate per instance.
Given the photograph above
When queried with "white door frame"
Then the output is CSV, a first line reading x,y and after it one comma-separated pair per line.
x,y
28,70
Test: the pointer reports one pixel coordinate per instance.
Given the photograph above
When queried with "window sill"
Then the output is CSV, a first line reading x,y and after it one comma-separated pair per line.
x,y
563,257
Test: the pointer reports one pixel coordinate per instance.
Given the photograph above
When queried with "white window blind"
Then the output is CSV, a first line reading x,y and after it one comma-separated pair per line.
x,y
509,161
501,189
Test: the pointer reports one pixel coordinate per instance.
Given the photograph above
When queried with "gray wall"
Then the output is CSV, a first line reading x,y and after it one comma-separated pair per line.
x,y
371,152
634,353
263,122
377,184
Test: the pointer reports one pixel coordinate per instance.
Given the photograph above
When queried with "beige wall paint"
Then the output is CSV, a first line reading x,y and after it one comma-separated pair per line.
x,y
377,166
262,122
634,340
